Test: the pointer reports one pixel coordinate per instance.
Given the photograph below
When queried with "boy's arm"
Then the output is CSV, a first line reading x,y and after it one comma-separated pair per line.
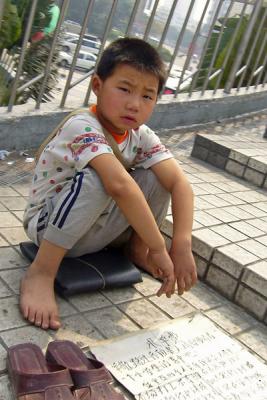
x,y
173,179
130,199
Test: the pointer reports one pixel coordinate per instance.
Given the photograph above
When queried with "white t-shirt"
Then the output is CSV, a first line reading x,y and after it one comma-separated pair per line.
x,y
80,140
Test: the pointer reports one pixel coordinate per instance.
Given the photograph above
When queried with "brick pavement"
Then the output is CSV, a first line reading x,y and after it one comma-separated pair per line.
x,y
229,242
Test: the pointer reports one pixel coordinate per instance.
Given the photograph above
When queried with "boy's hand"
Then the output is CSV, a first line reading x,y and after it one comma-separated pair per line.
x,y
184,268
162,267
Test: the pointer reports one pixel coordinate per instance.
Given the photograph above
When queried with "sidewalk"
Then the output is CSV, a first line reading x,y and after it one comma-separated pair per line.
x,y
225,206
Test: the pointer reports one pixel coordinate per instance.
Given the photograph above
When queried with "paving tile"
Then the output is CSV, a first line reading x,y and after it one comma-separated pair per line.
x,y
7,191
204,218
202,266
262,239
175,306
231,318
209,188
111,322
14,203
229,233
259,223
11,259
232,259
10,316
238,156
121,295
143,313
22,188
205,240
196,225
247,229
149,286
12,278
212,177
231,199
65,308
5,389
27,334
8,220
238,212
2,207
14,235
254,176
79,330
250,196
203,298
197,189
255,247
221,281
222,215
201,204
89,301
4,291
2,362
255,276
256,212
3,242
256,340
216,201
193,179
251,301
19,215
235,168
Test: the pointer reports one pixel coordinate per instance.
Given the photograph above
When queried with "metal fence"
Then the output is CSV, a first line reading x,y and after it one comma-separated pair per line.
x,y
192,67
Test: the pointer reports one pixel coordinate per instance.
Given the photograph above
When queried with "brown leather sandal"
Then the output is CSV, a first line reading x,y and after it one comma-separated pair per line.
x,y
33,379
90,377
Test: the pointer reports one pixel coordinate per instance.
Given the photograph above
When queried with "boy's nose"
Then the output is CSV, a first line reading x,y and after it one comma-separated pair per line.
x,y
134,103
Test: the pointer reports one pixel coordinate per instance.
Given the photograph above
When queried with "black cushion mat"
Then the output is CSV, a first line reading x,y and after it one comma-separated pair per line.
x,y
107,268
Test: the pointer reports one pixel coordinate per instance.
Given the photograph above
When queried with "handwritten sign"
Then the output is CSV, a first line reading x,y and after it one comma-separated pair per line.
x,y
185,359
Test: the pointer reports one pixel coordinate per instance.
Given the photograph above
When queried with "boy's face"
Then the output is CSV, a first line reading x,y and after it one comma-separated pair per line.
x,y
126,99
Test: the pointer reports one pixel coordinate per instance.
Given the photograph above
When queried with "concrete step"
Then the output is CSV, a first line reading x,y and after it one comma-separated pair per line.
x,y
229,234
242,156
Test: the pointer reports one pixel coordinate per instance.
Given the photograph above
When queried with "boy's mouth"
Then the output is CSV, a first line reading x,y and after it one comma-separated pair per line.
x,y
128,118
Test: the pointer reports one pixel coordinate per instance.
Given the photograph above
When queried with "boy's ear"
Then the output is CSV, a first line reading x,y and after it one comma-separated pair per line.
x,y
96,84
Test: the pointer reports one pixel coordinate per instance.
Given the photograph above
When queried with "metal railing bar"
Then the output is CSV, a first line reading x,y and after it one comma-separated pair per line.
x,y
242,47
89,73
76,52
190,51
215,74
214,54
63,10
256,63
230,48
28,84
132,17
262,71
167,25
107,30
258,70
204,52
151,20
255,41
22,56
2,3
180,38
241,70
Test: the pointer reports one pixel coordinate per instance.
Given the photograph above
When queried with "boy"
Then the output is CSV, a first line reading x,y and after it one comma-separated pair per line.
x,y
82,198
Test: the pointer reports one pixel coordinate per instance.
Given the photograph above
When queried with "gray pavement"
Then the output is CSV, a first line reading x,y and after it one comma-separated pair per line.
x,y
223,247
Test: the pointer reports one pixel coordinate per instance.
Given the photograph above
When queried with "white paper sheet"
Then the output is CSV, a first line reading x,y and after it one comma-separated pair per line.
x,y
185,359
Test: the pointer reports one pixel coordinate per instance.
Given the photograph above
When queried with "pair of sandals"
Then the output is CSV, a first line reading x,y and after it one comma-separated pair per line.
x,y
64,373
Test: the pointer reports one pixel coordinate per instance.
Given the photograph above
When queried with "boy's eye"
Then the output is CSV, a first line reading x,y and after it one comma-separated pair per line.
x,y
124,89
146,96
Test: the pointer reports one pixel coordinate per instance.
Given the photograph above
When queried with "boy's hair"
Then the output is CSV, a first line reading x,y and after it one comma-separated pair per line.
x,y
134,52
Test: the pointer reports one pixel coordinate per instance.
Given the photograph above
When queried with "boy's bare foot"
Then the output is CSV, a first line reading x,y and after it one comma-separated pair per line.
x,y
37,299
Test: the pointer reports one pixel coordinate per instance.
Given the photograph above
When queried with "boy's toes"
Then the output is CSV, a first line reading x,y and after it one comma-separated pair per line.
x,y
38,319
54,322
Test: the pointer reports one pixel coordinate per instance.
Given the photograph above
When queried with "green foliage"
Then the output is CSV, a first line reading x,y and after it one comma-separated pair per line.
x,y
10,29
36,55
227,46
